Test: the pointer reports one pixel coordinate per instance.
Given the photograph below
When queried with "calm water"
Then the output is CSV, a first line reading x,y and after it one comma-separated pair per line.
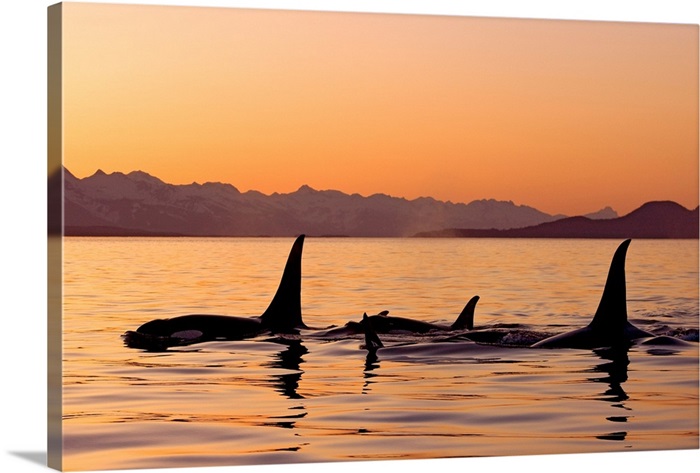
x,y
305,400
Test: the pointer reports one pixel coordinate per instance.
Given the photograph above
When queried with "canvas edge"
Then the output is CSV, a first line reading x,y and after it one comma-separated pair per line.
x,y
54,236
55,240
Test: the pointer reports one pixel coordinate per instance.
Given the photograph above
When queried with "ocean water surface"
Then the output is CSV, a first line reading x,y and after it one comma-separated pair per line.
x,y
304,399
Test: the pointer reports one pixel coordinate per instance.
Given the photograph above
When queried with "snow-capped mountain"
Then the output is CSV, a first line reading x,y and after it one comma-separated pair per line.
x,y
138,203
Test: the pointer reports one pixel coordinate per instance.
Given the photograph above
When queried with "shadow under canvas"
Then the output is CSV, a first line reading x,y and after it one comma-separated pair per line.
x,y
34,457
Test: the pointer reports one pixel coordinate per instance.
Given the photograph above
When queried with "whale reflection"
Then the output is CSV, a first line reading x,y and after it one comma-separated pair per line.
x,y
289,359
371,364
614,370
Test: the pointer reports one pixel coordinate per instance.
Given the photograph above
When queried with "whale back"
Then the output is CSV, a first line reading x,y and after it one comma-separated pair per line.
x,y
611,315
284,312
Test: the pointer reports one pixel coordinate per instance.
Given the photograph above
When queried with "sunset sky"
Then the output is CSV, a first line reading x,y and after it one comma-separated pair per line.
x,y
565,116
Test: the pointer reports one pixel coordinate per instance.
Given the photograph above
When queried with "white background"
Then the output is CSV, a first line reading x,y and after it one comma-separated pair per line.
x,y
23,214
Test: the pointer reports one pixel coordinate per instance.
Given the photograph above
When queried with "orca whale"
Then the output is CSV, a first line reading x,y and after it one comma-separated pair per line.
x,y
283,315
384,323
609,327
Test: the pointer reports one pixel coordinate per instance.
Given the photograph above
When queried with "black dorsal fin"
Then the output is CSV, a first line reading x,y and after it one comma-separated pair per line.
x,y
284,312
611,315
466,318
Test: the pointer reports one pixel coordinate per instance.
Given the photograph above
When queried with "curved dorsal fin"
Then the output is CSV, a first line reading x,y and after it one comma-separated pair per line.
x,y
284,312
611,315
466,318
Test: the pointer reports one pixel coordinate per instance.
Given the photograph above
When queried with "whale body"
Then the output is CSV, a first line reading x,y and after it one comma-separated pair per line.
x,y
609,327
283,315
384,323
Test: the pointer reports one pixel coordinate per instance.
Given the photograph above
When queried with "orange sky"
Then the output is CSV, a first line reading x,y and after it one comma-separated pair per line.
x,y
564,116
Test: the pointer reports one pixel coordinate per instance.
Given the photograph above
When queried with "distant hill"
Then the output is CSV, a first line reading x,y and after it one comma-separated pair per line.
x,y
140,204
603,214
652,220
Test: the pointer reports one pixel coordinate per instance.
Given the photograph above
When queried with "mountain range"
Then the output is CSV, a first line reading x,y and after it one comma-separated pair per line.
x,y
140,204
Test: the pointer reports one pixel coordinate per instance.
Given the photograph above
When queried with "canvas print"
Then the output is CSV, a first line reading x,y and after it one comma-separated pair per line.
x,y
295,236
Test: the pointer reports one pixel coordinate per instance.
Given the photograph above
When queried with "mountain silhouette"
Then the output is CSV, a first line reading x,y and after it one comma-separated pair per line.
x,y
138,204
662,219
